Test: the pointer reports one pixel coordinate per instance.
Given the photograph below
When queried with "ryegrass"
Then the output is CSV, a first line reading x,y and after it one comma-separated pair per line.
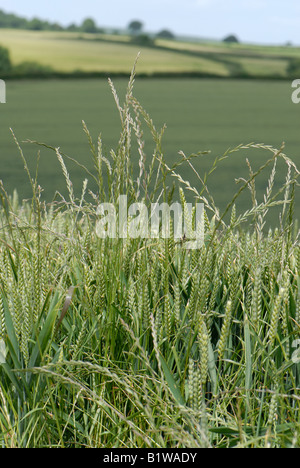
x,y
142,343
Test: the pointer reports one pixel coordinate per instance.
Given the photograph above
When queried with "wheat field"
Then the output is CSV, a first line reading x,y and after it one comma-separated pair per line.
x,y
139,342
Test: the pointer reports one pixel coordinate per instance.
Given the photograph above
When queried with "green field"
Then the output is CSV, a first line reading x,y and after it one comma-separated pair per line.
x,y
200,115
67,52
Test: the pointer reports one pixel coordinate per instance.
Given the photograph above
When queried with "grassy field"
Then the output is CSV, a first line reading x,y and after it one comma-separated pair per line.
x,y
69,52
200,115
131,343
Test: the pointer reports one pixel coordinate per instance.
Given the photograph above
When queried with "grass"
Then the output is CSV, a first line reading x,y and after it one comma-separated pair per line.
x,y
200,115
141,343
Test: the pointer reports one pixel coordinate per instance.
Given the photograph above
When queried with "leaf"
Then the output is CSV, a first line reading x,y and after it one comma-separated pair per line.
x,y
13,266
12,352
12,342
171,382
212,368
42,340
224,430
16,382
248,356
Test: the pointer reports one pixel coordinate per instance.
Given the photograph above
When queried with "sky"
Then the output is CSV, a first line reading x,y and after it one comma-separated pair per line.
x,y
253,21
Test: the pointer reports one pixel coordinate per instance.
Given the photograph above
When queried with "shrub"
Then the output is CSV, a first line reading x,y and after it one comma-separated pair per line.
x,y
231,39
293,69
31,68
135,27
165,34
89,26
143,40
5,62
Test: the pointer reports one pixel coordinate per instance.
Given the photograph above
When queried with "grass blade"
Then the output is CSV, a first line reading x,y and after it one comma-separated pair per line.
x,y
171,382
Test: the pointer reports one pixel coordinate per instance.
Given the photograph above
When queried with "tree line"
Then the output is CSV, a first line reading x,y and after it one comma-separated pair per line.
x,y
88,25
10,20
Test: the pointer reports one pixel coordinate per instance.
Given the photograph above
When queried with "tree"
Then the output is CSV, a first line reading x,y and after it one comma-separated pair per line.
x,y
5,63
135,27
72,27
31,68
36,24
231,39
89,26
293,68
165,34
143,40
55,27
9,20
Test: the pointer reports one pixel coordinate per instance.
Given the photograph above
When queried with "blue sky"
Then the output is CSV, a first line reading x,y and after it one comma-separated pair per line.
x,y
261,21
